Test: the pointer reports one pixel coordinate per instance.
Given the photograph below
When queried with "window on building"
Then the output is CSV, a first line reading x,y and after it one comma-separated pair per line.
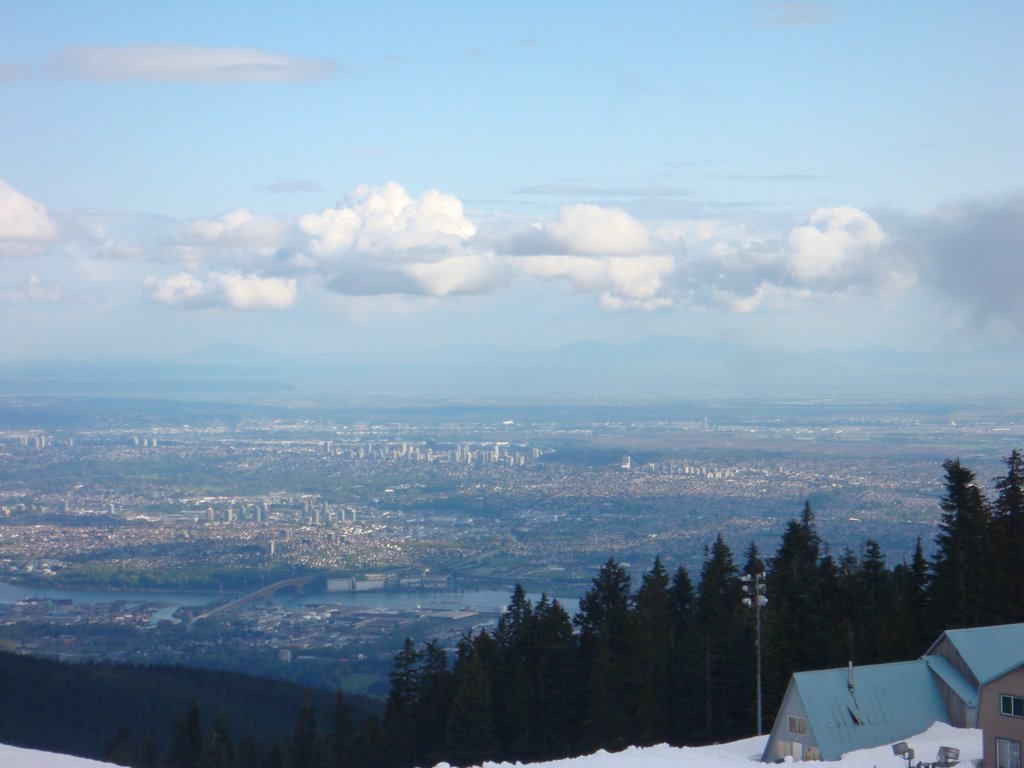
x,y
797,724
1007,753
1011,705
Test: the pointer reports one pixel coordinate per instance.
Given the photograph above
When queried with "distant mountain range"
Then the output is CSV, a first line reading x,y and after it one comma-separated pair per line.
x,y
657,367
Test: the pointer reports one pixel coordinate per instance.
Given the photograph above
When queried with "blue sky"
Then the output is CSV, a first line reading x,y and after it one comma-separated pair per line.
x,y
343,179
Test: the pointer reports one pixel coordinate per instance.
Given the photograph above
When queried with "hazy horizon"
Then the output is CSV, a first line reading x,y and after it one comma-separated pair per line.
x,y
347,183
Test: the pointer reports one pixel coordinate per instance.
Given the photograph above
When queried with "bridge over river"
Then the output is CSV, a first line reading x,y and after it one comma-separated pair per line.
x,y
268,591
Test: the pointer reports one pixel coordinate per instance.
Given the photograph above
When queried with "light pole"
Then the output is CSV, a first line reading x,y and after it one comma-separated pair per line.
x,y
754,587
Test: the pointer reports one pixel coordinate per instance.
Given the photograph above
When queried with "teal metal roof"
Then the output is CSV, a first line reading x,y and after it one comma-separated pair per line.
x,y
988,651
951,676
889,703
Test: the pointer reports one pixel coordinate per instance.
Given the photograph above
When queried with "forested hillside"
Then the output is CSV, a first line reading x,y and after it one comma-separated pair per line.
x,y
139,715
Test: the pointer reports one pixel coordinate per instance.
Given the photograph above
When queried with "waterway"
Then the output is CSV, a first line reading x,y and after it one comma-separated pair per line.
x,y
483,600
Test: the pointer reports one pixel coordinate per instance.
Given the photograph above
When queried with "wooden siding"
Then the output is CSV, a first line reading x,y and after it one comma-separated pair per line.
x,y
948,651
992,722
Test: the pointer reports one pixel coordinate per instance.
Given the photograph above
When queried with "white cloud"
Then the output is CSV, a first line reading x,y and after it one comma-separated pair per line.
x,y
186,63
387,221
467,273
331,231
238,227
592,230
623,282
832,243
253,292
179,290
229,290
24,223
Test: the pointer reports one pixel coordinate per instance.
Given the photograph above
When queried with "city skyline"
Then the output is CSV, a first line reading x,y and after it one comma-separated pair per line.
x,y
343,181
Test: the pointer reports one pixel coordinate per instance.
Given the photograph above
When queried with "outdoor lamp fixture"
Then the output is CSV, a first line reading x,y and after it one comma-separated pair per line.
x,y
948,757
900,749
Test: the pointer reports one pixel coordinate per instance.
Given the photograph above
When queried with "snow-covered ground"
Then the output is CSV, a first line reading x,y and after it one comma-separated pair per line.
x,y
733,755
740,754
16,757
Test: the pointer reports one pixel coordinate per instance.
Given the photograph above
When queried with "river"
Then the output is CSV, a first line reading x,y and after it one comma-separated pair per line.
x,y
484,600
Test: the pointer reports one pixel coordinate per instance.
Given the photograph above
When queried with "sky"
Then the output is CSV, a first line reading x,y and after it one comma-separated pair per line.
x,y
342,179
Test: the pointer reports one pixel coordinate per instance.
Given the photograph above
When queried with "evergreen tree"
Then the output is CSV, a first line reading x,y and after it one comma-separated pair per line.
x,y
651,658
148,755
249,752
556,684
604,623
121,749
793,630
186,739
513,708
873,615
962,583
342,736
720,661
370,750
684,705
470,732
399,717
1008,524
220,747
433,700
303,748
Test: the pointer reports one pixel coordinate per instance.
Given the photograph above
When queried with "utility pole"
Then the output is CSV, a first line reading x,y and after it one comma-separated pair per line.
x,y
755,588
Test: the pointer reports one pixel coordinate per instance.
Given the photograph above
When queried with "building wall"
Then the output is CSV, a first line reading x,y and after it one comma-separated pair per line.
x,y
948,651
993,723
960,715
782,742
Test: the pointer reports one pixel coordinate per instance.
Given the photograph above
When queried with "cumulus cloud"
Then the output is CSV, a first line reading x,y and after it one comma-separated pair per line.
x,y
228,290
621,282
381,240
25,223
834,242
463,274
387,219
185,63
254,292
583,230
839,252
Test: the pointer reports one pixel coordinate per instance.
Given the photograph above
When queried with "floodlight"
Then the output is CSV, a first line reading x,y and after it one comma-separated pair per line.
x,y
900,749
948,756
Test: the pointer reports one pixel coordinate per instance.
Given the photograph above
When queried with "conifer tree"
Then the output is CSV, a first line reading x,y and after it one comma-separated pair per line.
x,y
792,625
220,747
718,656
342,736
513,715
684,705
433,700
399,722
303,748
962,583
1008,524
556,686
651,658
604,623
470,736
